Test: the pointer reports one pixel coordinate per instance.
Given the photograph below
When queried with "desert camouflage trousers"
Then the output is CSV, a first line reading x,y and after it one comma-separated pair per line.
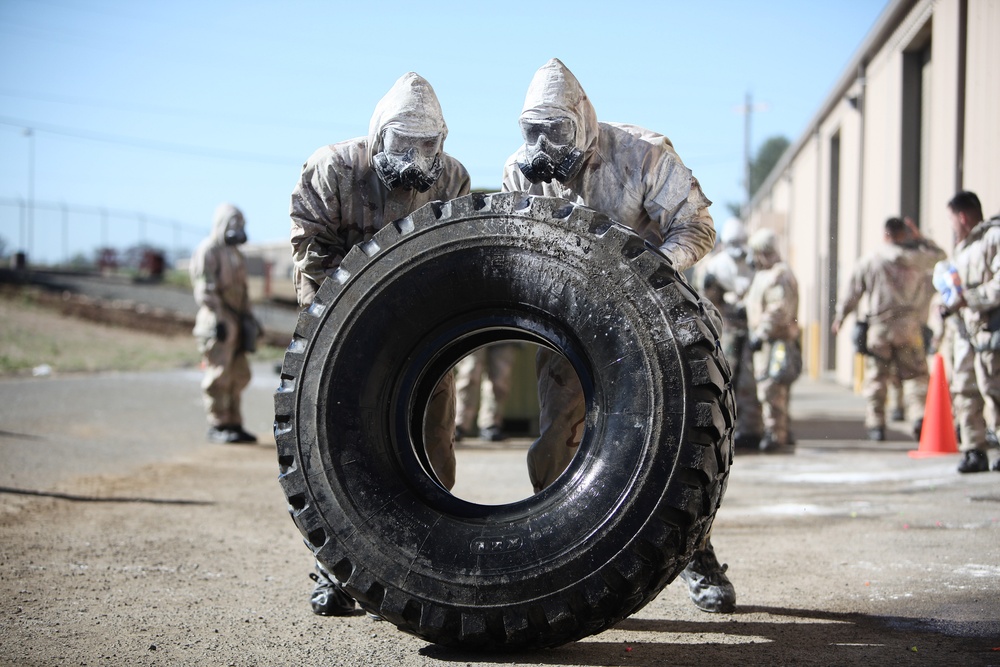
x,y
885,362
749,417
975,388
439,430
562,412
227,374
773,397
483,385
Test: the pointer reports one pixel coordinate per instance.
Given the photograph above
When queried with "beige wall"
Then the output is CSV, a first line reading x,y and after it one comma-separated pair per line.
x,y
982,107
796,199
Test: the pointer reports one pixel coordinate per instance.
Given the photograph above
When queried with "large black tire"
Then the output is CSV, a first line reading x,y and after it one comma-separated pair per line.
x,y
612,531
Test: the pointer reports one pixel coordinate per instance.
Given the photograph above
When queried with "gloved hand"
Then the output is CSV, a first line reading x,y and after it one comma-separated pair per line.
x,y
220,331
947,281
755,343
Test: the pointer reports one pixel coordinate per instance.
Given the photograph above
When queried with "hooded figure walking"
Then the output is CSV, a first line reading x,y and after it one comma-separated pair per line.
x,y
635,177
347,192
224,326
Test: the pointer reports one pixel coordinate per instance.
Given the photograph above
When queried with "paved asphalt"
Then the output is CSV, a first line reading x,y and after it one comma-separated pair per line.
x,y
841,527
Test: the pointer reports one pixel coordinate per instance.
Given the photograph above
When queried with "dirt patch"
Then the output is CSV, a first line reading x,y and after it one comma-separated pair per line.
x,y
44,334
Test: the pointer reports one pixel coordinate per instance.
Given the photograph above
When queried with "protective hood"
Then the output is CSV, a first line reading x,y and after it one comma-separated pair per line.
x,y
555,92
733,232
410,106
223,215
763,246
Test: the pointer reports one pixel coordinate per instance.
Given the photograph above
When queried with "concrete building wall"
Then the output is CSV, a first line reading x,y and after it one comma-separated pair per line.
x,y
912,119
982,104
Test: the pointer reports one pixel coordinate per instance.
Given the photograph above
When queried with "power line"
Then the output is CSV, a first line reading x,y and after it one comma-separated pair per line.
x,y
176,112
111,213
149,144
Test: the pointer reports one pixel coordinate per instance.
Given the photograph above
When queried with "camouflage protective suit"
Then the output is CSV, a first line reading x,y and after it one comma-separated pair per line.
x,y
219,278
482,386
633,176
772,303
895,278
340,201
723,278
976,377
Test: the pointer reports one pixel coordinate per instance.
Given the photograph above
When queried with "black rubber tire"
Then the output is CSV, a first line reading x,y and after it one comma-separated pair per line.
x,y
612,531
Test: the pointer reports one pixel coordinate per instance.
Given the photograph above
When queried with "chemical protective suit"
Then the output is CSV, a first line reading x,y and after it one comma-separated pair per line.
x,y
630,174
633,176
224,326
723,278
976,377
895,278
772,318
342,199
346,193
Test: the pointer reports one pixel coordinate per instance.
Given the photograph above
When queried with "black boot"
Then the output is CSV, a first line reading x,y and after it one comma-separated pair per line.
x,y
241,435
708,585
974,460
328,597
222,434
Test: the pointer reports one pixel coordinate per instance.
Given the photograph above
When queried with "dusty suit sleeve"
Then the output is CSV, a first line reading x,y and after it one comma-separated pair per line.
x,y
929,254
986,296
778,315
852,294
205,279
317,246
675,202
511,178
465,184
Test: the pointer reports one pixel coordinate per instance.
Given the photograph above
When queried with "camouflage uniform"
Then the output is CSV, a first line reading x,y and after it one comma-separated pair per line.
x,y
772,315
895,278
976,375
340,201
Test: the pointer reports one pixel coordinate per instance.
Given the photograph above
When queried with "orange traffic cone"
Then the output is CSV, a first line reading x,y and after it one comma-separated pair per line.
x,y
938,434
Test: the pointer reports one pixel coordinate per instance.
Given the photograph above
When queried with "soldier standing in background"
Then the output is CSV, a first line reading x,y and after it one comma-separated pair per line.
x,y
975,307
772,317
895,278
724,278
482,386
224,326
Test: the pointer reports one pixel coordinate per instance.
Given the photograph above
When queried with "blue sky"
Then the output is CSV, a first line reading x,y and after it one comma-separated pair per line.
x,y
158,112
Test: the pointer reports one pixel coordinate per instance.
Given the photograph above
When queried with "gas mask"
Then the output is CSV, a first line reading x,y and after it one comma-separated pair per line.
x,y
549,150
407,161
761,260
737,252
234,234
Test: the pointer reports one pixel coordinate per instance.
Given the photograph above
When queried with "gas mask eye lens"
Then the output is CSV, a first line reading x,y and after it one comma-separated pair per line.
x,y
557,131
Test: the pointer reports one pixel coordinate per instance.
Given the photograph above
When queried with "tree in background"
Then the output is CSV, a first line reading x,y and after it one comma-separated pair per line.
x,y
765,160
760,168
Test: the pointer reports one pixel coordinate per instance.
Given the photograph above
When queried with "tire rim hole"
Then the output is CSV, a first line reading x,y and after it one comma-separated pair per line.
x,y
491,467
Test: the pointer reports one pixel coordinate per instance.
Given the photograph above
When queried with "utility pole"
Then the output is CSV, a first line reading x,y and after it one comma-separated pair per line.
x,y
30,133
747,115
747,110
65,233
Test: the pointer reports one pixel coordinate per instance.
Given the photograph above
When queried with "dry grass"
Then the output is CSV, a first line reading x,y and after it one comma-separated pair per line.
x,y
32,335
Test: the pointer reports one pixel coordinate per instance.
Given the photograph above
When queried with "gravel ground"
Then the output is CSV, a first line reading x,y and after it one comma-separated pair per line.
x,y
126,539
